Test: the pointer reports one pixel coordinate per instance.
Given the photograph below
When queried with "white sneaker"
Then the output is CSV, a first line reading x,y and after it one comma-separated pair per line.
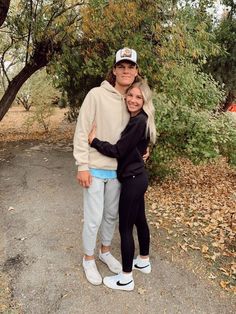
x,y
113,264
91,272
119,282
142,265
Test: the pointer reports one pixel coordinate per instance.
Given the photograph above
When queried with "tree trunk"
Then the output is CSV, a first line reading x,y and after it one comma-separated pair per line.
x,y
15,85
43,53
4,6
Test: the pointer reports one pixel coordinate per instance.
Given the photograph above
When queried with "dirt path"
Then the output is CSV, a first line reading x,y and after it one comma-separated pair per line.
x,y
40,249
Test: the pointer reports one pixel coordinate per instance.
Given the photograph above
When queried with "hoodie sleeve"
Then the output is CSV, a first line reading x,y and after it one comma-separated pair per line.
x,y
83,127
128,141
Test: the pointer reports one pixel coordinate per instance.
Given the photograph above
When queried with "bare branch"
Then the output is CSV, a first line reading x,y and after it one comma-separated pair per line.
x,y
2,61
29,32
65,9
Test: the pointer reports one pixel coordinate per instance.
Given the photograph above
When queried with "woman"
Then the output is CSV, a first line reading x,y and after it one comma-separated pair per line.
x,y
134,182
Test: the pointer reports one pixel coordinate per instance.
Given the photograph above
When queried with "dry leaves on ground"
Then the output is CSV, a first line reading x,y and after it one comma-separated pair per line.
x,y
13,126
199,209
7,305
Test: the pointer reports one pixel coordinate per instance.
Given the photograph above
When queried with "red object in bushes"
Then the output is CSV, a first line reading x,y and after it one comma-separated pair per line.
x,y
232,108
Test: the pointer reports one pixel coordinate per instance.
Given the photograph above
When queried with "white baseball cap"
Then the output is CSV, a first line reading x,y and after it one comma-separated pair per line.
x,y
126,54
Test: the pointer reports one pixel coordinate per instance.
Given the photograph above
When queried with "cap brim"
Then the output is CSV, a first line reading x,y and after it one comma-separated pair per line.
x,y
127,60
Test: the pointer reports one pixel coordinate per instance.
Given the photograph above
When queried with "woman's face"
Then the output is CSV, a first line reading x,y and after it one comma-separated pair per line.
x,y
134,101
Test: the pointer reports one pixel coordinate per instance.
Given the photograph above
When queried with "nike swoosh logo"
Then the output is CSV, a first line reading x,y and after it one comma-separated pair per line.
x,y
123,284
140,267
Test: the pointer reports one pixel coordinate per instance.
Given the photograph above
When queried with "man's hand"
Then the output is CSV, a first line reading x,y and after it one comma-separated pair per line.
x,y
84,178
146,155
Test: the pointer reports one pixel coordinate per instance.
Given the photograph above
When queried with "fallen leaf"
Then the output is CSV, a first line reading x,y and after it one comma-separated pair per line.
x,y
224,271
184,247
233,289
224,284
204,248
141,291
233,268
154,206
211,276
194,247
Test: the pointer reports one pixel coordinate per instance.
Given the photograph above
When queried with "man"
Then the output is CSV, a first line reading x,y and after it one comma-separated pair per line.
x,y
105,107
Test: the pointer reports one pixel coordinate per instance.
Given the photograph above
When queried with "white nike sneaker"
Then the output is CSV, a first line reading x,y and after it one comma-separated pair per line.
x,y
142,265
113,264
119,282
91,272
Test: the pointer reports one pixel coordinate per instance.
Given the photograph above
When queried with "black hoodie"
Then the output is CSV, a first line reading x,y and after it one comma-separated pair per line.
x,y
130,147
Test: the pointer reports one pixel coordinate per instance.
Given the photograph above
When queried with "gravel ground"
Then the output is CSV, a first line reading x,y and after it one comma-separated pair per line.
x,y
40,247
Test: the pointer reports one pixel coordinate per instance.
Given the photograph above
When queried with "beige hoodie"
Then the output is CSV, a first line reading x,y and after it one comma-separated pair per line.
x,y
106,106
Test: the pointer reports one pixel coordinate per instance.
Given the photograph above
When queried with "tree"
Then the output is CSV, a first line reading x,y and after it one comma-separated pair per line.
x,y
4,7
154,28
42,96
173,44
37,30
223,67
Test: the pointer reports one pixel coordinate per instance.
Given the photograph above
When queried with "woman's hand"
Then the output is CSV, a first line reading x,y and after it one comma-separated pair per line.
x,y
92,134
146,155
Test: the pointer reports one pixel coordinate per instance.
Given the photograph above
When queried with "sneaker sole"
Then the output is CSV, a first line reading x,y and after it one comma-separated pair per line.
x,y
122,288
95,283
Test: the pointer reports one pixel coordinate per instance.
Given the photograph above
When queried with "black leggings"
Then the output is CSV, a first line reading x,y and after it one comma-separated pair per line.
x,y
132,212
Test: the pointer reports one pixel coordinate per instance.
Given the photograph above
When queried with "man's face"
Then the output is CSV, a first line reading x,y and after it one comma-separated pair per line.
x,y
125,73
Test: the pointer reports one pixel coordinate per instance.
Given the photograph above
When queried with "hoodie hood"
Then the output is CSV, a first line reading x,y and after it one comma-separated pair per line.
x,y
107,86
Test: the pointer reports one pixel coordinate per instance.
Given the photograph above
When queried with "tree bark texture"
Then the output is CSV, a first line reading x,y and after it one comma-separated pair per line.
x,y
14,86
4,6
42,55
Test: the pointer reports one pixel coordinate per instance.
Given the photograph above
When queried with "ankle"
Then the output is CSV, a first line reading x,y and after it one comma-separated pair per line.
x,y
125,274
105,249
89,257
144,257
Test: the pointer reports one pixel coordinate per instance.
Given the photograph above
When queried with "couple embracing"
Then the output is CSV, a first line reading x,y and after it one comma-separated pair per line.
x,y
114,128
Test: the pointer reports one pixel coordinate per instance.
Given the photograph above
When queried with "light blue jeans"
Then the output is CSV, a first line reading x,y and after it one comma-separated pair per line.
x,y
101,201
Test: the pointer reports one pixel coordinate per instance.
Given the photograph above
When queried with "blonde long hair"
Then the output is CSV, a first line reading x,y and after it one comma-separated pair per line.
x,y
148,106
